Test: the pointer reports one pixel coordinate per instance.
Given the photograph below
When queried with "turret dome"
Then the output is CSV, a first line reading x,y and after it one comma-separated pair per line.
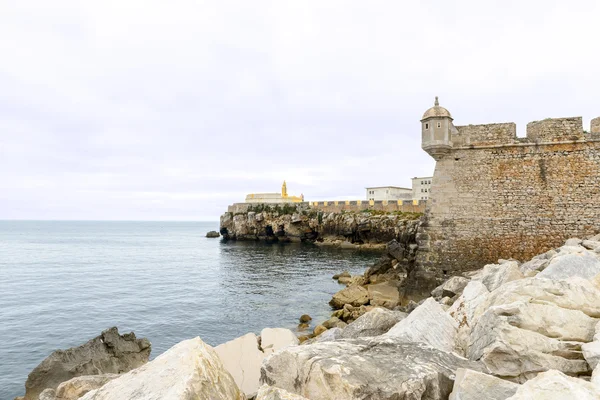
x,y
436,111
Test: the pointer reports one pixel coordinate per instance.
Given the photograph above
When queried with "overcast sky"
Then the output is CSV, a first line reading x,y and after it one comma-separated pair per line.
x,y
159,110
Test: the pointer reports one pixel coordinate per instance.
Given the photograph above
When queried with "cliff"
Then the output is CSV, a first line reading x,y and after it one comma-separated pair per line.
x,y
299,223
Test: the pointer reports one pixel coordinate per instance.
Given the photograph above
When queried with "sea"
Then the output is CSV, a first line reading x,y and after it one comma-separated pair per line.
x,y
63,282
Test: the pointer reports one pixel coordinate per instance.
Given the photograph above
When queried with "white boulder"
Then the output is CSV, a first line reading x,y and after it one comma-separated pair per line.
x,y
189,370
273,339
373,323
472,385
428,324
495,275
554,385
582,263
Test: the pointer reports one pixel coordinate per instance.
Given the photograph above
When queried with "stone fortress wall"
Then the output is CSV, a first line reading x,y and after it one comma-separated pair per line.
x,y
343,206
495,195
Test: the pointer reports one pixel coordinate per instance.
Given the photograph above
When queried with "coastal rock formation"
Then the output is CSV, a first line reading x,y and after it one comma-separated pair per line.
x,y
107,353
296,223
213,234
356,296
188,370
242,357
364,369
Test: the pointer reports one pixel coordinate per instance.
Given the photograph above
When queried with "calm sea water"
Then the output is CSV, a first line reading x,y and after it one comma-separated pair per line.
x,y
62,283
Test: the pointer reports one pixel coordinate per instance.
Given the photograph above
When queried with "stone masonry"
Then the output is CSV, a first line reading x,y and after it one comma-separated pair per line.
x,y
495,195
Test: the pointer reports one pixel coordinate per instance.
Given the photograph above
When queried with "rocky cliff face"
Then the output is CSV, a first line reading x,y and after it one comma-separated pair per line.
x,y
302,224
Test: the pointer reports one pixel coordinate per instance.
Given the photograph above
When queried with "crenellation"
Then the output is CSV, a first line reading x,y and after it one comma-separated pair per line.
x,y
555,130
485,135
595,126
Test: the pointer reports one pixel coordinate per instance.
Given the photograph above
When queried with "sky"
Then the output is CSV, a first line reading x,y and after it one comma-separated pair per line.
x,y
171,110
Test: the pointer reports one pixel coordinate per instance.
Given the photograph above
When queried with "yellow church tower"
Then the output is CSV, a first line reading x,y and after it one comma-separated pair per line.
x,y
284,190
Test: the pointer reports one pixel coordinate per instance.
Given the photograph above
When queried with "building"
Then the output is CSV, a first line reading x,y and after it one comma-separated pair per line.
x,y
389,193
421,188
274,198
499,196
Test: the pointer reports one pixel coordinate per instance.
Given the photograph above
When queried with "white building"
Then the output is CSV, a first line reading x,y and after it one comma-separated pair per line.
x,y
389,193
421,188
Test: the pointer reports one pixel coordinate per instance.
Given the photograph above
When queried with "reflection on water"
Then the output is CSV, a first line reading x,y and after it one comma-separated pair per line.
x,y
62,283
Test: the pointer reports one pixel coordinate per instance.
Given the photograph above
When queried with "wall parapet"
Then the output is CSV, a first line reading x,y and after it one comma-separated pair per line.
x,y
547,131
339,206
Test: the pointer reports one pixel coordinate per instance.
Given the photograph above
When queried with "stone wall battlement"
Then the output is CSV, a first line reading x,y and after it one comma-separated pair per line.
x,y
550,130
404,206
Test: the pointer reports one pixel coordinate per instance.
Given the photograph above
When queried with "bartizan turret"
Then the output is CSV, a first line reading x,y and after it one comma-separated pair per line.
x,y
436,129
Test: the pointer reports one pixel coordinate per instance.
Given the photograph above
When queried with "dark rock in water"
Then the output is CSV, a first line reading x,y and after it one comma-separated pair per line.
x,y
213,234
305,318
107,353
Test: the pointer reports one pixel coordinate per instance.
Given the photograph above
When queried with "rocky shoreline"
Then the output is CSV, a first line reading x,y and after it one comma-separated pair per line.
x,y
510,330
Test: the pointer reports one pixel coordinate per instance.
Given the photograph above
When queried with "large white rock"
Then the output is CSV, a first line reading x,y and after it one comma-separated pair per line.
x,y
428,324
242,358
554,385
273,339
463,312
189,370
373,369
495,275
266,392
373,323
583,263
533,325
474,385
75,388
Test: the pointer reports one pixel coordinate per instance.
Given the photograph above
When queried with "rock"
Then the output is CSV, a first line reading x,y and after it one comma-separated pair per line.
x,y
463,311
384,294
345,280
188,370
241,357
304,318
396,250
107,353
428,324
554,385
495,275
318,330
303,327
75,388
351,313
353,295
473,385
272,393
530,268
591,353
583,264
344,274
591,244
331,322
273,339
348,246
454,286
364,369
47,394
357,280
213,234
573,242
533,325
330,335
373,323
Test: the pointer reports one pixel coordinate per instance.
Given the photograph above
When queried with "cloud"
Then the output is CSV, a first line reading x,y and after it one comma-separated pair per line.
x,y
137,109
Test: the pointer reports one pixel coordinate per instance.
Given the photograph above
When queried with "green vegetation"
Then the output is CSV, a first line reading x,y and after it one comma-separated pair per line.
x,y
285,209
406,215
